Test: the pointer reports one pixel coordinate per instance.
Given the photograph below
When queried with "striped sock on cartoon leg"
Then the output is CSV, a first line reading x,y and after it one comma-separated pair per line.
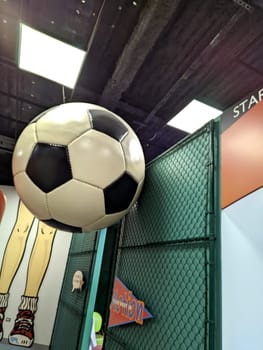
x,y
3,305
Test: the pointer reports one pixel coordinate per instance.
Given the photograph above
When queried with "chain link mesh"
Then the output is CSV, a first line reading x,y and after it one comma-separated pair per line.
x,y
71,310
164,251
174,196
166,271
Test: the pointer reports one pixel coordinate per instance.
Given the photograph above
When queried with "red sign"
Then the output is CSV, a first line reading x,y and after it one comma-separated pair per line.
x,y
125,307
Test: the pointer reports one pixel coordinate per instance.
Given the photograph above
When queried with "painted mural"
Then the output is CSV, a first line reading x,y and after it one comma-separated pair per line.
x,y
22,333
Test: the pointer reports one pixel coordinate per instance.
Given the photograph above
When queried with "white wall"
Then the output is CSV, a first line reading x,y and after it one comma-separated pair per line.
x,y
242,274
50,289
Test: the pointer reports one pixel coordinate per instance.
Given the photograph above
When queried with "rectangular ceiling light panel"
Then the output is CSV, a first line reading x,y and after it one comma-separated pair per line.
x,y
48,57
193,116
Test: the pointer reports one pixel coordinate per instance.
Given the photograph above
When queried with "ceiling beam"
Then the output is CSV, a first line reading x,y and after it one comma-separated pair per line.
x,y
89,96
245,5
153,19
7,143
11,119
197,64
137,113
24,100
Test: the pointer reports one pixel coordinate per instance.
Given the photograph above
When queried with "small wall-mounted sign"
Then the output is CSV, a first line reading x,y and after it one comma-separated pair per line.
x,y
125,307
77,281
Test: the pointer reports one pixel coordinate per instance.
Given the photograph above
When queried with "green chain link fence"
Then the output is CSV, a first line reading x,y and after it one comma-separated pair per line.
x,y
168,253
70,317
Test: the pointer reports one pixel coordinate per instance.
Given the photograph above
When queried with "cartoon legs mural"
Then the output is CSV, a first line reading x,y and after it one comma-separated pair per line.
x,y
23,331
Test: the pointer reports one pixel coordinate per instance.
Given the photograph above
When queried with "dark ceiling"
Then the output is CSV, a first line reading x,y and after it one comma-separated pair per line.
x,y
146,60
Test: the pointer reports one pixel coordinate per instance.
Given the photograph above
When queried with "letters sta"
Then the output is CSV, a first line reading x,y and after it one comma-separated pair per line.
x,y
246,104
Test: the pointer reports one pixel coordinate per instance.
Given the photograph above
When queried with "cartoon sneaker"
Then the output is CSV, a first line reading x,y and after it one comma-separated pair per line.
x,y
23,331
2,316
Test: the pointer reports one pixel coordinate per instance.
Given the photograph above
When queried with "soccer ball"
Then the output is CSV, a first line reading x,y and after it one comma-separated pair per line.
x,y
78,167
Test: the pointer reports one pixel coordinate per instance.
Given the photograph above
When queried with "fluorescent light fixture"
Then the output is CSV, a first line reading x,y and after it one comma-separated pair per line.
x,y
193,116
48,57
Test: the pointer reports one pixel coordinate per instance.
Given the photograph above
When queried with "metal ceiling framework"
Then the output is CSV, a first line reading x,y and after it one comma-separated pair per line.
x,y
145,60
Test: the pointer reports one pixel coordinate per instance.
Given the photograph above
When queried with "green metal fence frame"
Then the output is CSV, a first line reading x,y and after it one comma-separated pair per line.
x,y
93,291
216,272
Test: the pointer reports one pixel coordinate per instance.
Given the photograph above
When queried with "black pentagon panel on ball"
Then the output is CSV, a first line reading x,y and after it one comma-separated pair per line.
x,y
119,194
107,123
49,166
63,227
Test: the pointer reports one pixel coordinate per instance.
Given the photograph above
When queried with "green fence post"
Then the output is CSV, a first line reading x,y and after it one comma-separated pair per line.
x,y
93,291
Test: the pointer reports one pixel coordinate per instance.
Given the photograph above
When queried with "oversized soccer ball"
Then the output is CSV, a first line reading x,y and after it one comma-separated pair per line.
x,y
78,167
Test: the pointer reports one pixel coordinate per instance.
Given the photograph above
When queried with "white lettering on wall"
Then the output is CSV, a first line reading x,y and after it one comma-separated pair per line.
x,y
248,103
